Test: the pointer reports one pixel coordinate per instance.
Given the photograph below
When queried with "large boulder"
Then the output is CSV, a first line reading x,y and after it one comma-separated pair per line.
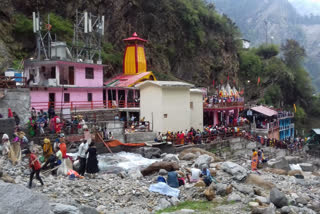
x,y
199,151
203,160
244,189
149,152
234,169
234,197
271,209
17,199
155,167
188,156
281,163
278,198
58,208
171,158
209,193
306,167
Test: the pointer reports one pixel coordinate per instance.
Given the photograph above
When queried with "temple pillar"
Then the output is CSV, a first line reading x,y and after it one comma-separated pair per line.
x,y
117,97
236,113
215,118
227,117
107,98
126,98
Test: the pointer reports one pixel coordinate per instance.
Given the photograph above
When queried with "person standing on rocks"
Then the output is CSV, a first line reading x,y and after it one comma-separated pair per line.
x,y
47,148
5,144
82,154
35,166
15,150
254,161
92,164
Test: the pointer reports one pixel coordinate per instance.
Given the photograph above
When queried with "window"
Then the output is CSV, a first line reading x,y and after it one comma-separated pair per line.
x,y
66,97
89,73
53,73
191,105
165,116
89,97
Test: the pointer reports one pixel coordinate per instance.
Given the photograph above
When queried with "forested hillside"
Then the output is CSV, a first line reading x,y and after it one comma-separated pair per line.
x,y
187,39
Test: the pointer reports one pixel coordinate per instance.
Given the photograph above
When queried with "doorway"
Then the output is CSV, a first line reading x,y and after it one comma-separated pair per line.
x,y
71,75
52,99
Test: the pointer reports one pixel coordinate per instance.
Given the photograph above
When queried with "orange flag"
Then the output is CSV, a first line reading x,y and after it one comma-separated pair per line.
x,y
259,80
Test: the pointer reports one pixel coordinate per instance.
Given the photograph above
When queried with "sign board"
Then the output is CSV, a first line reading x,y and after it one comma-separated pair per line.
x,y
66,113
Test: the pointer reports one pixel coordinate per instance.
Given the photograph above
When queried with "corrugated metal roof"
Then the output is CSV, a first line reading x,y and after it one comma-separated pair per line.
x,y
126,80
317,131
166,84
264,110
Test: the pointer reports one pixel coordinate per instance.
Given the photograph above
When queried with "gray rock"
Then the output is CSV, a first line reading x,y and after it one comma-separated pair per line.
x,y
171,158
278,198
58,208
221,189
149,152
243,189
271,209
262,199
285,210
234,197
251,145
203,160
281,163
174,201
163,203
301,200
21,200
307,167
189,156
88,210
234,169
135,174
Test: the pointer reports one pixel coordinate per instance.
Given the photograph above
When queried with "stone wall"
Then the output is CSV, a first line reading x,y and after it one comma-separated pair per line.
x,y
18,100
7,126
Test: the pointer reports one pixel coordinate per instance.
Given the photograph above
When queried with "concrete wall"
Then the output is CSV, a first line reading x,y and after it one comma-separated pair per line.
x,y
7,127
176,104
196,110
151,106
19,101
140,137
117,129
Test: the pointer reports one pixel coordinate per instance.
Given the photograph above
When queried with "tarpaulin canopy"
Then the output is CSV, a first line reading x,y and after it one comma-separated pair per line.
x,y
265,110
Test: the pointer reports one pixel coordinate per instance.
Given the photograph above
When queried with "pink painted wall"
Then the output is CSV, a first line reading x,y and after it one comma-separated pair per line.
x,y
81,81
78,96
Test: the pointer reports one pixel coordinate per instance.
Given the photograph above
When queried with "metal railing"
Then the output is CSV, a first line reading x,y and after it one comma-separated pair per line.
x,y
84,105
223,105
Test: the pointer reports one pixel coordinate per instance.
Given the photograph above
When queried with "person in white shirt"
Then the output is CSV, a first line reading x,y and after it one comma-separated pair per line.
x,y
195,174
83,157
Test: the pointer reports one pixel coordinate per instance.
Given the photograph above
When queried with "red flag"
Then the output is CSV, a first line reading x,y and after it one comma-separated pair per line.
x,y
221,82
259,80
241,92
213,83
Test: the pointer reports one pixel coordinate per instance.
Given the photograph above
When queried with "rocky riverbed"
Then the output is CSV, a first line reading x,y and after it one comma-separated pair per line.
x,y
127,191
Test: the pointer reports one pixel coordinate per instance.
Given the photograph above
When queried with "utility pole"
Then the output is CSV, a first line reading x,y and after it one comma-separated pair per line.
x,y
266,25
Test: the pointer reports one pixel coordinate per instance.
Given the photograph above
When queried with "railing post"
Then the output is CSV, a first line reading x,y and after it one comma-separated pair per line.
x,y
71,106
91,105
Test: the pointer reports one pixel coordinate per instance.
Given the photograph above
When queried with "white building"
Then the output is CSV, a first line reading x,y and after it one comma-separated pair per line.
x,y
171,105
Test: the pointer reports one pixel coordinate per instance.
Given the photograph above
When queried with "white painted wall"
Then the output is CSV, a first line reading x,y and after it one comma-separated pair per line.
x,y
196,113
157,101
176,104
151,106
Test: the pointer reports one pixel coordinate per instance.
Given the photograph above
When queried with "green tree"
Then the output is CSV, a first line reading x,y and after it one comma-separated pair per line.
x,y
293,53
267,51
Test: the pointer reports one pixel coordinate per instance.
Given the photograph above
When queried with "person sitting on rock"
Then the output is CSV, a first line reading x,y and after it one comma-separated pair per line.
x,y
195,174
264,160
206,175
162,173
173,179
158,138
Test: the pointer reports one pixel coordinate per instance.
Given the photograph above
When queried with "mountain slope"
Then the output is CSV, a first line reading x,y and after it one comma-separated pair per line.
x,y
187,40
275,21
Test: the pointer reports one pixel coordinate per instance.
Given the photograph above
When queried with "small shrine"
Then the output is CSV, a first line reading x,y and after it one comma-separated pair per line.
x,y
134,64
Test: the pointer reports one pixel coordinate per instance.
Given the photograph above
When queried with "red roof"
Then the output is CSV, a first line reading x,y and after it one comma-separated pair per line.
x,y
135,37
264,110
125,80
